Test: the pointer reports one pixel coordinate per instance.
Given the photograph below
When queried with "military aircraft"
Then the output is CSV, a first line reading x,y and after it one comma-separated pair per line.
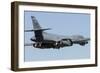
x,y
44,40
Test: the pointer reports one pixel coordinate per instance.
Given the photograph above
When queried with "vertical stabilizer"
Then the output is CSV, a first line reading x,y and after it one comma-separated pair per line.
x,y
37,29
36,25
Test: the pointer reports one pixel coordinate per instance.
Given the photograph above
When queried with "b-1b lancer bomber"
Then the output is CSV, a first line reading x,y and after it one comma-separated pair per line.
x,y
44,40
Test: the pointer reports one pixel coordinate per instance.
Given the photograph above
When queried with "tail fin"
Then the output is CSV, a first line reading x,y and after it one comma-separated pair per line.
x,y
36,25
37,29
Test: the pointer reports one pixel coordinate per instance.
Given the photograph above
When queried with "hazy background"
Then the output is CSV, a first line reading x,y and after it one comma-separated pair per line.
x,y
63,24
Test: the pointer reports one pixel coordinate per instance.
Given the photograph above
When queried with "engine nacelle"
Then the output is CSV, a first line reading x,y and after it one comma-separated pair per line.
x,y
63,42
67,42
83,43
37,45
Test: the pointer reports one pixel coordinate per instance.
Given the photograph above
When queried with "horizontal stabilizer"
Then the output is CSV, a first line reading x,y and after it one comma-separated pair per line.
x,y
37,30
